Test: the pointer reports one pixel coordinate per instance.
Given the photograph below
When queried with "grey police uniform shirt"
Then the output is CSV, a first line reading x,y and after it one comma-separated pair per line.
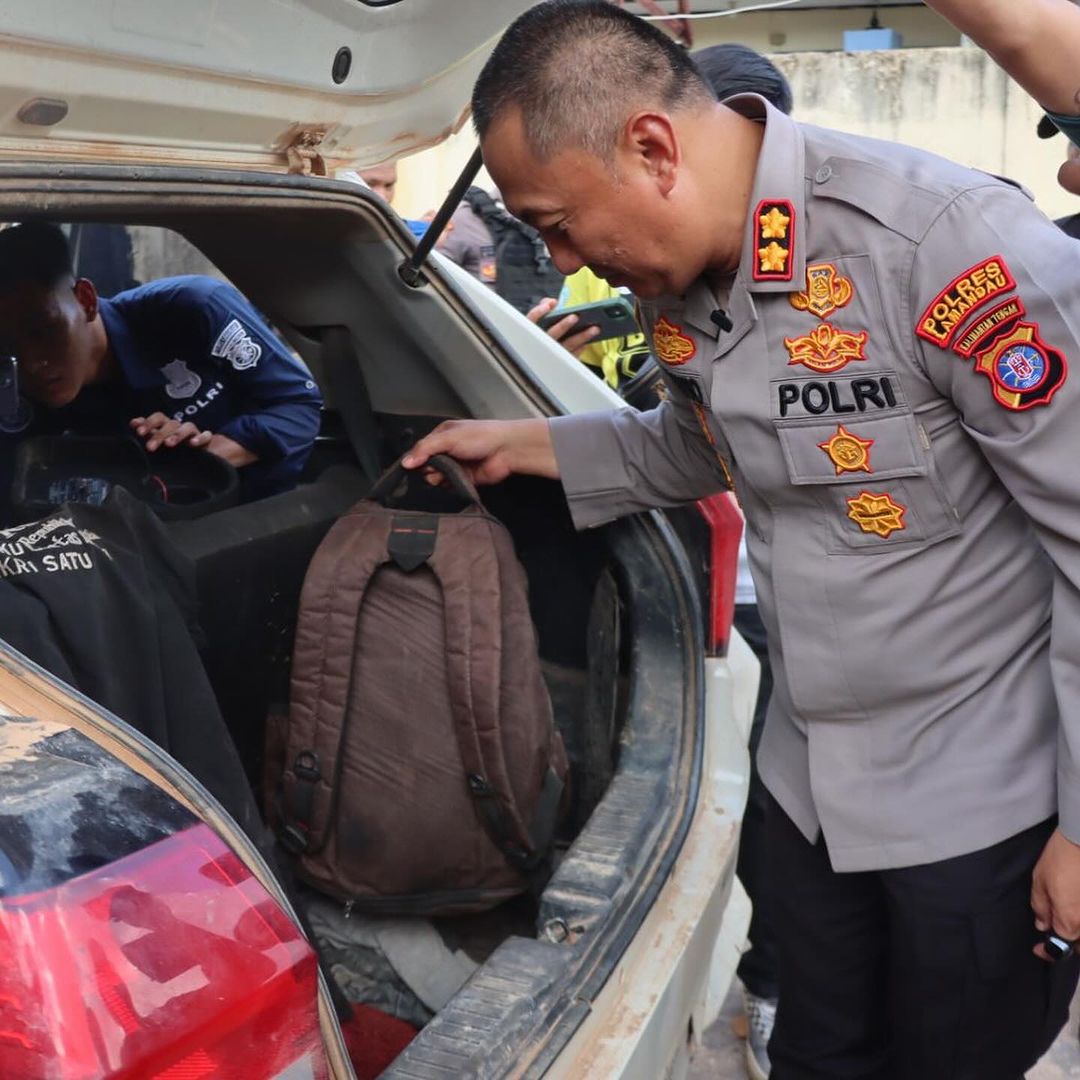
x,y
894,406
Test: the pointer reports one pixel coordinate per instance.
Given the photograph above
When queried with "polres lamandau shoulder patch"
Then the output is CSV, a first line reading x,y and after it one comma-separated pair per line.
x,y
966,293
774,240
237,346
1023,370
987,326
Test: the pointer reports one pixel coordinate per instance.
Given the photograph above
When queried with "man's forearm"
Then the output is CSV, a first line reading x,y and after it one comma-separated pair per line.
x,y
231,451
1036,41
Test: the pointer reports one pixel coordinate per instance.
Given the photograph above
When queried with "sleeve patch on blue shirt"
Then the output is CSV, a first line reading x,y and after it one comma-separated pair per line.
x,y
236,345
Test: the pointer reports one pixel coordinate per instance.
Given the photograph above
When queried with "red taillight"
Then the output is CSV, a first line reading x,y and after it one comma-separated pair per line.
x,y
725,527
170,964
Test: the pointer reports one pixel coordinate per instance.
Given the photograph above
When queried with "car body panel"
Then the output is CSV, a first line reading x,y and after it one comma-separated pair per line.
x,y
239,82
684,955
661,940
47,708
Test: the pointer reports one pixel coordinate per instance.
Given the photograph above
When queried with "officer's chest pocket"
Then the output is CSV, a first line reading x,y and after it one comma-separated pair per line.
x,y
873,479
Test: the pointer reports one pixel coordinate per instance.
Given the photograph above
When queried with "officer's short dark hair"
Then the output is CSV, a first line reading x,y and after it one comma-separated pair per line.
x,y
34,253
737,69
576,69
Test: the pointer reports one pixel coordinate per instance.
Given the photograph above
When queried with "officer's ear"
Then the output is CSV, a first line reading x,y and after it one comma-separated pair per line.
x,y
650,138
87,297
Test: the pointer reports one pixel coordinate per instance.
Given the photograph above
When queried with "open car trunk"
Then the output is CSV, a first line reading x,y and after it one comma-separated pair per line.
x,y
616,611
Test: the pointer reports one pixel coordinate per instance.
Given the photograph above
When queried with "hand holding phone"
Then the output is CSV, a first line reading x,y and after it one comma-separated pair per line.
x,y
613,318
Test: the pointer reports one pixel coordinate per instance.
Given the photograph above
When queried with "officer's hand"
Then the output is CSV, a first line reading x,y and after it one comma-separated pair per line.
x,y
560,331
490,450
161,430
1055,890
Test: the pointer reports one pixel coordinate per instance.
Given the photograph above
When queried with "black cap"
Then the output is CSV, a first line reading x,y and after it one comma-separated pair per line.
x,y
1047,128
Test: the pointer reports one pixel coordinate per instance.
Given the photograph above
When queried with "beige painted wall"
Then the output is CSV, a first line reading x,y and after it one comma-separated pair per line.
x,y
782,30
952,100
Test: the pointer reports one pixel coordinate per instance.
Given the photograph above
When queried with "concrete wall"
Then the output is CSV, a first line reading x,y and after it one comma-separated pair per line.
x,y
783,30
951,100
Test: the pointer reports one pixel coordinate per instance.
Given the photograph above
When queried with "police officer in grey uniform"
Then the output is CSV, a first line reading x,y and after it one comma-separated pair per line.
x,y
872,344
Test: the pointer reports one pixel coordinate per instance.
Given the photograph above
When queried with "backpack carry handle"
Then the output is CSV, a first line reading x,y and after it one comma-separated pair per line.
x,y
383,489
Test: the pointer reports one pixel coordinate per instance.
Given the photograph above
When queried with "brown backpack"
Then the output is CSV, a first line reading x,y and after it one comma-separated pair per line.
x,y
423,772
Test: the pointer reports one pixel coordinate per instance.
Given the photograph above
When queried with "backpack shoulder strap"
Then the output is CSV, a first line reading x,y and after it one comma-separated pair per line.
x,y
468,574
323,664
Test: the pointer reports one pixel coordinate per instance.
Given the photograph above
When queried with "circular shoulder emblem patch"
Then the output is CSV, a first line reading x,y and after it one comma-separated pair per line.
x,y
1023,370
1020,367
671,344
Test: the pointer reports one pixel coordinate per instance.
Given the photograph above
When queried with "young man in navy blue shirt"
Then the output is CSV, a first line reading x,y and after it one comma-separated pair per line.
x,y
180,361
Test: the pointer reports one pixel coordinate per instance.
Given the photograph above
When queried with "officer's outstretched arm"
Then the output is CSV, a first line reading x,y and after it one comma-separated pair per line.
x,y
490,450
619,462
1036,41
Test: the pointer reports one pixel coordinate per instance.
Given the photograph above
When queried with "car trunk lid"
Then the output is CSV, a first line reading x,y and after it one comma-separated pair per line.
x,y
300,85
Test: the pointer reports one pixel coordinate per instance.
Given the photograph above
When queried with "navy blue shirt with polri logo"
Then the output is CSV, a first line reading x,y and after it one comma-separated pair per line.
x,y
193,348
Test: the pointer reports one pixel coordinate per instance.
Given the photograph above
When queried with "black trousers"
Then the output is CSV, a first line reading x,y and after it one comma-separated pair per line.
x,y
924,973
757,967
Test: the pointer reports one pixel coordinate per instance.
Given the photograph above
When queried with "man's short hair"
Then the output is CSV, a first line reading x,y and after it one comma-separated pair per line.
x,y
34,253
737,69
577,69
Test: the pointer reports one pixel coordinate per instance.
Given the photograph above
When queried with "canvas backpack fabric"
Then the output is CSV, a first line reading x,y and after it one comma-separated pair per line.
x,y
525,273
423,771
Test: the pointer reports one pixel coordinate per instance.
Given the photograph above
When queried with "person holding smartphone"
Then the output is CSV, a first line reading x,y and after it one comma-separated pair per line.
x,y
615,357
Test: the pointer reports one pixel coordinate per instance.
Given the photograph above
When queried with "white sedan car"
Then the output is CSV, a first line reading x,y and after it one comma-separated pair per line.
x,y
142,934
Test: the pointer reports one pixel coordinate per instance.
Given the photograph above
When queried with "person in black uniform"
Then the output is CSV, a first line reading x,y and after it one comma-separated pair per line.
x,y
180,361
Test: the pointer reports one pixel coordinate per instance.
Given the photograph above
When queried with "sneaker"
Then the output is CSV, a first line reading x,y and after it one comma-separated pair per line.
x,y
760,1017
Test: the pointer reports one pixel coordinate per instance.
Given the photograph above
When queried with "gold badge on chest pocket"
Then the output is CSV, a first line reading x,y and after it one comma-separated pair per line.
x,y
826,348
877,512
847,451
826,290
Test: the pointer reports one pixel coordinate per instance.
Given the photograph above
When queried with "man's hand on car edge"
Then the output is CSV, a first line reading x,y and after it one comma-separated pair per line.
x,y
159,430
1055,890
490,450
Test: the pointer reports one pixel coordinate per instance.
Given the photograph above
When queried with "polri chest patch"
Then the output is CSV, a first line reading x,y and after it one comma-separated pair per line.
x,y
180,380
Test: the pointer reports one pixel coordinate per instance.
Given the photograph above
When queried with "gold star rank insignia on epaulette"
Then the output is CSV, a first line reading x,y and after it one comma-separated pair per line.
x,y
774,247
775,223
826,290
876,513
848,452
825,348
